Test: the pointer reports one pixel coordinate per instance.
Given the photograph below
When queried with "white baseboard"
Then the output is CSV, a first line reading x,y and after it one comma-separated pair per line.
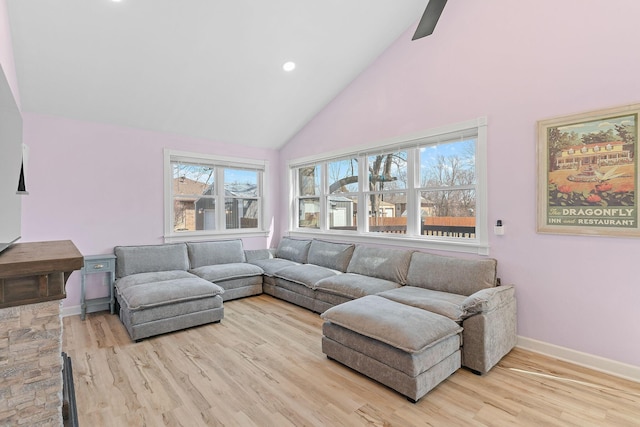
x,y
597,363
75,310
70,311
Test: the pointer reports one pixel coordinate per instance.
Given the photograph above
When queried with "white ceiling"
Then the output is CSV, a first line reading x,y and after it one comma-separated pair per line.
x,y
202,68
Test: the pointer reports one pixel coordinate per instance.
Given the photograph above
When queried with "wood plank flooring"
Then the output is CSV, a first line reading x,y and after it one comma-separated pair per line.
x,y
263,366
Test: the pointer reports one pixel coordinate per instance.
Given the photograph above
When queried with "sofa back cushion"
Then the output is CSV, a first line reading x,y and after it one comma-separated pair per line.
x,y
293,250
335,256
150,258
450,274
214,253
383,263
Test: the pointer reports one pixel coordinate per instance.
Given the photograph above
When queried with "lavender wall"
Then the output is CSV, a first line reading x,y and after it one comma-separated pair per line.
x,y
515,63
102,186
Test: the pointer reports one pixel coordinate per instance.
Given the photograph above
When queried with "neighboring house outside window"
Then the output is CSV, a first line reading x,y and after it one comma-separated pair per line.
x,y
427,190
207,196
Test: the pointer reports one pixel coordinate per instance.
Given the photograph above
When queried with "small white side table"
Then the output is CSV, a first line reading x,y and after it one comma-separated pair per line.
x,y
93,264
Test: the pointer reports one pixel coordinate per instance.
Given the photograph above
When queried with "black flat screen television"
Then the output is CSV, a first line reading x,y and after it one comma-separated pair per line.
x,y
10,164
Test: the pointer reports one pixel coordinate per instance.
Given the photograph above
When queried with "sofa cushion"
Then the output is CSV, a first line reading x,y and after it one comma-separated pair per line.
x,y
293,249
220,272
354,286
258,254
152,277
401,326
153,294
451,274
170,312
150,258
305,274
213,253
443,303
272,265
383,263
335,256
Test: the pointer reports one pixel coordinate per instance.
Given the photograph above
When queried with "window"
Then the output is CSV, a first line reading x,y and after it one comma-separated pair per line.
x,y
308,197
342,197
430,189
206,195
447,189
386,193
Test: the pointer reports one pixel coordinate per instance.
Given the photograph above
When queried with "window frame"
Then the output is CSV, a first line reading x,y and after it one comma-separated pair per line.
x,y
220,164
411,143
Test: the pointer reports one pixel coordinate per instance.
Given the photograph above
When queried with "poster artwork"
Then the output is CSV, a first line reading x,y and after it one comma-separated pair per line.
x,y
590,175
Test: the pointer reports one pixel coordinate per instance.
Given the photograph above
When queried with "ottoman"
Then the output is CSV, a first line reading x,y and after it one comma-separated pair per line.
x,y
408,349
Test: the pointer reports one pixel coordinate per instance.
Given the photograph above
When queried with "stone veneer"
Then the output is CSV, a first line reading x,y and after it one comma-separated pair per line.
x,y
31,365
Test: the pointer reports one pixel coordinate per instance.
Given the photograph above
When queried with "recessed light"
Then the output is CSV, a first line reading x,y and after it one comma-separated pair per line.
x,y
289,66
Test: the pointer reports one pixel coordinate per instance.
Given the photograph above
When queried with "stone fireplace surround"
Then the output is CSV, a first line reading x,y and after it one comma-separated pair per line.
x,y
31,364
32,279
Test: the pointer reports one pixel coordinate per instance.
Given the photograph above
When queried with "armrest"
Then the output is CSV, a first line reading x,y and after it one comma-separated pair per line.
x,y
490,331
489,299
257,254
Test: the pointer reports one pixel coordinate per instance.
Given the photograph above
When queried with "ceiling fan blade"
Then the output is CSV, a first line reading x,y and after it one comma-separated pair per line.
x,y
429,18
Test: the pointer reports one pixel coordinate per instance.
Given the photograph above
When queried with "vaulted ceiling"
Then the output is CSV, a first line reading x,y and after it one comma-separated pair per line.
x,y
203,68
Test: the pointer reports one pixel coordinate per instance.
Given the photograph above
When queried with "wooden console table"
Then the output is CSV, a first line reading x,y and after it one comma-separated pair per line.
x,y
36,272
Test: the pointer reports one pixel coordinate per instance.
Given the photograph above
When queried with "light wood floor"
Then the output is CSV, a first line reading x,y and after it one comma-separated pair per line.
x,y
263,366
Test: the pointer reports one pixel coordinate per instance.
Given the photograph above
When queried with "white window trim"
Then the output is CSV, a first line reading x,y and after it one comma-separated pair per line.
x,y
479,245
171,236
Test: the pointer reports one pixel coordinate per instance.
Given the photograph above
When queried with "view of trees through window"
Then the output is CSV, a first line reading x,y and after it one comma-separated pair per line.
x,y
387,174
442,193
309,197
448,187
196,195
343,194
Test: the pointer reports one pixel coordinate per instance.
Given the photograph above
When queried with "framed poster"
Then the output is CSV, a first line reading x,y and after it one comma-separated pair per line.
x,y
588,173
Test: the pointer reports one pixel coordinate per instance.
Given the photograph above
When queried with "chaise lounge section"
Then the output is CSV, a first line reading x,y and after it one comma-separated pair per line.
x,y
157,294
413,337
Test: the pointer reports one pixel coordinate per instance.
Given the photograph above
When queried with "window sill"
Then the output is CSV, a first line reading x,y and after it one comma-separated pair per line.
x,y
217,235
434,243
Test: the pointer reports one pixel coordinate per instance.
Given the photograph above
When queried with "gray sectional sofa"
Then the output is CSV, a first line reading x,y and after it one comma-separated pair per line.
x,y
319,275
463,290
164,288
467,318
